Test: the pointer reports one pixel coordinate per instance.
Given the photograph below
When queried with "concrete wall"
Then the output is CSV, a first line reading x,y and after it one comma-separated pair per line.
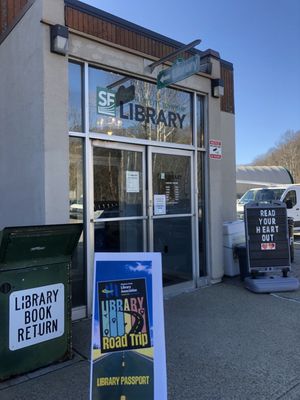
x,y
229,180
221,180
112,57
214,185
56,135
22,199
33,115
222,189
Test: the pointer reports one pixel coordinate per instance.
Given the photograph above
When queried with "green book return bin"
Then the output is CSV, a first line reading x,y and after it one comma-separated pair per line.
x,y
35,296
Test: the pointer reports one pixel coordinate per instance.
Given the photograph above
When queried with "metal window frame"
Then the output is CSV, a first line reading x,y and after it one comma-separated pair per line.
x,y
92,139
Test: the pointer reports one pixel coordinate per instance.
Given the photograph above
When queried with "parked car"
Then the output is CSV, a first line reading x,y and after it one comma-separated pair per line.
x,y
290,194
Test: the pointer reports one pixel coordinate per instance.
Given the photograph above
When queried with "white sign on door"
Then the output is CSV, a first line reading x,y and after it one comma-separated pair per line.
x,y
36,315
132,181
160,204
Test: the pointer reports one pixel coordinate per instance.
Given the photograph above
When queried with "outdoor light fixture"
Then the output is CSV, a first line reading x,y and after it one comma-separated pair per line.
x,y
217,87
59,42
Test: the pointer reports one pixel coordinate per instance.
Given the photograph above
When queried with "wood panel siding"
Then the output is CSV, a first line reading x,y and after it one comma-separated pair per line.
x,y
10,11
116,33
227,101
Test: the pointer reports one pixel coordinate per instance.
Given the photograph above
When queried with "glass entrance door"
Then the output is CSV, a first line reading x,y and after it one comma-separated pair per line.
x,y
122,185
170,209
119,198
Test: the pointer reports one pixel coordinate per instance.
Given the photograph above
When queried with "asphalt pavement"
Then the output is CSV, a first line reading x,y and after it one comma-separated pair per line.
x,y
222,342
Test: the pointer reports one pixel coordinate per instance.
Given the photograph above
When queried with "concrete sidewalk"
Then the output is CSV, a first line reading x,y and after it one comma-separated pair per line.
x,y
223,343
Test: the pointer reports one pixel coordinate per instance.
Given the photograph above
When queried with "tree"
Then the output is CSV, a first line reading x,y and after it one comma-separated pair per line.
x,y
285,153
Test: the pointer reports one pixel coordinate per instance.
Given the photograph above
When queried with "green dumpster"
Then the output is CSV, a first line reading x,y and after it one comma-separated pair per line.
x,y
35,296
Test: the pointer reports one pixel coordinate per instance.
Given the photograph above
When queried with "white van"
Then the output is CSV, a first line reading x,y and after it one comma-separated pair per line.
x,y
290,194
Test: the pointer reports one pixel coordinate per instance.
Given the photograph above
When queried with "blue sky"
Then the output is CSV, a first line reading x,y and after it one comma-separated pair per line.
x,y
262,40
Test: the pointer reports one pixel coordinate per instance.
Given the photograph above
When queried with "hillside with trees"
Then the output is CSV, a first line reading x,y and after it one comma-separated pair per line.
x,y
285,153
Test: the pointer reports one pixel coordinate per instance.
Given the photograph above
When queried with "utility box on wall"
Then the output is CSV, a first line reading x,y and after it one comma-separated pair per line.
x,y
35,296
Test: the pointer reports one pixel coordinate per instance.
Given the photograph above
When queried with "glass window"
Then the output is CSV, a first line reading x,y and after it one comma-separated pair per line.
x,y
76,215
137,109
171,175
173,239
118,183
75,98
261,195
201,212
76,179
291,198
200,121
247,197
119,236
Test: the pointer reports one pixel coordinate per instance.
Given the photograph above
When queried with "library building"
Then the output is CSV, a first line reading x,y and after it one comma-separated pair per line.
x,y
127,131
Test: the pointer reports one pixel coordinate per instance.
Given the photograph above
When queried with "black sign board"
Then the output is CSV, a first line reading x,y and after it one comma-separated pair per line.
x,y
267,236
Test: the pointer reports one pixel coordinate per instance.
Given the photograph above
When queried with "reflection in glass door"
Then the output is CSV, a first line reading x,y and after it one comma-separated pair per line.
x,y
170,212
119,201
76,212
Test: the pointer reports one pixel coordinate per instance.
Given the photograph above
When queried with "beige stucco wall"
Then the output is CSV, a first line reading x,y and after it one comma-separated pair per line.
x,y
56,136
33,114
112,57
221,185
229,180
22,200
